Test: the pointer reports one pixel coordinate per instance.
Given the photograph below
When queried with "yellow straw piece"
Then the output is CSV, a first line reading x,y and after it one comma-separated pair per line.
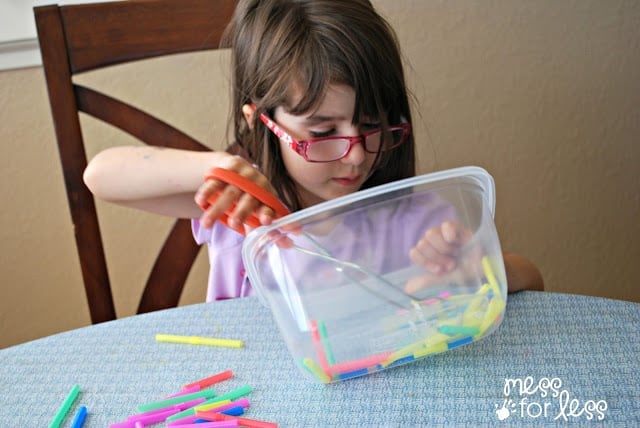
x,y
491,277
494,310
315,370
470,316
196,340
213,405
433,349
417,348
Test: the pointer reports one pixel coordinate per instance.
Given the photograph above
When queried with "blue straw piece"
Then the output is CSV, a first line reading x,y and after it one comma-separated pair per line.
x,y
234,411
460,342
78,420
401,361
355,373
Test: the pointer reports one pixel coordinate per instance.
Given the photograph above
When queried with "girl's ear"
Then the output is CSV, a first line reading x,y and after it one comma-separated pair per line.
x,y
249,111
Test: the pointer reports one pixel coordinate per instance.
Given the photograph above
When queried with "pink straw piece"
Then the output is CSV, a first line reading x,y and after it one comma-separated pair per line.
x,y
173,409
219,424
123,424
363,363
317,344
183,421
153,418
246,422
211,380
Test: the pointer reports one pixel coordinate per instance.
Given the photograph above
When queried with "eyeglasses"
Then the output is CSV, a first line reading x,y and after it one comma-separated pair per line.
x,y
332,148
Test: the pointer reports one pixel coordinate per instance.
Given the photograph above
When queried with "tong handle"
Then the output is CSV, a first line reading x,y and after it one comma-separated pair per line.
x,y
247,186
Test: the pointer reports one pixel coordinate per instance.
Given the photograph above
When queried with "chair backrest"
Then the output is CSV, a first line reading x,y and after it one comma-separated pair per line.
x,y
84,37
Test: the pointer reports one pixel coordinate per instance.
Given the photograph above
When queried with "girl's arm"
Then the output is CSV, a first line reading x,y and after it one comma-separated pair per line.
x,y
171,182
521,273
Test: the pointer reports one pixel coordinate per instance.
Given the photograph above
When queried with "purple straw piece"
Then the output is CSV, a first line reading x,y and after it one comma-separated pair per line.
x,y
173,409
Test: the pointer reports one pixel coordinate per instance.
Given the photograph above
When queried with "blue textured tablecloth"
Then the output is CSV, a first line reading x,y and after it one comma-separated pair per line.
x,y
590,345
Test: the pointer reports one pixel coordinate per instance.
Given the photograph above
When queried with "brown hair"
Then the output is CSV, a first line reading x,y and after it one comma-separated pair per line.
x,y
314,43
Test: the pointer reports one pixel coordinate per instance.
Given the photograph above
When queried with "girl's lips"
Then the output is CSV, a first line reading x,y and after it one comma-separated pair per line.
x,y
347,181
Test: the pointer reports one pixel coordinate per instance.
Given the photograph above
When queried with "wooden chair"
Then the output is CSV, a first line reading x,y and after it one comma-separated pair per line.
x,y
79,38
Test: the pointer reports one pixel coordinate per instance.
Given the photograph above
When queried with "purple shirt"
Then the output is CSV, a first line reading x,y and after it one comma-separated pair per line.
x,y
403,225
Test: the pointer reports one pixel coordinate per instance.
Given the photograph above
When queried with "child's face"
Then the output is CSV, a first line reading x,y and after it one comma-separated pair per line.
x,y
318,182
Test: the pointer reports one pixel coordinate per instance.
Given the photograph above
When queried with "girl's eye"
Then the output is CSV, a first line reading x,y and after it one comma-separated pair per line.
x,y
320,134
369,126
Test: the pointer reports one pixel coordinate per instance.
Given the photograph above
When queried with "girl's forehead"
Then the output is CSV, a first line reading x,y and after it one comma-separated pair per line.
x,y
337,100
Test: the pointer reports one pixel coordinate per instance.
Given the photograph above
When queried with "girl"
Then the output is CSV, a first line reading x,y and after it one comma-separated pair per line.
x,y
320,110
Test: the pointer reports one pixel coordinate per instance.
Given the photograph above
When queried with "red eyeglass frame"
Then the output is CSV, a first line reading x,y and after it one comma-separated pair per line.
x,y
301,147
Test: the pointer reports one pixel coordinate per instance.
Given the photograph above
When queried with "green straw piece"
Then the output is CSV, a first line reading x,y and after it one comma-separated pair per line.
x,y
324,339
311,367
207,393
454,330
235,394
64,408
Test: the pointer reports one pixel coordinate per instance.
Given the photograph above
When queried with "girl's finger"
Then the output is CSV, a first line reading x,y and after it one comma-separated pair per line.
x,y
455,233
243,209
429,258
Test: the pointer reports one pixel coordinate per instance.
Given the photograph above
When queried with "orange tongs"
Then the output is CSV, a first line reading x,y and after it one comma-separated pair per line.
x,y
247,186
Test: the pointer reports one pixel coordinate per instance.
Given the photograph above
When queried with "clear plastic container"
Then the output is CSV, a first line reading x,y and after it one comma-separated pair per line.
x,y
350,300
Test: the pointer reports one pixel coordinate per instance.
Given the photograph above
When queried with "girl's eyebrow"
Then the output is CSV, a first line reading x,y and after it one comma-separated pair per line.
x,y
317,118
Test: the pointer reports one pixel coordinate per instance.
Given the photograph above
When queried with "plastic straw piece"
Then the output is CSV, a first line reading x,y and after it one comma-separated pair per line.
x,y
454,330
185,390
491,276
494,311
207,414
64,408
236,393
243,402
154,418
231,395
182,421
315,370
214,405
232,411
472,314
459,342
246,422
433,349
81,415
197,340
401,361
123,424
317,343
352,374
211,380
173,409
218,424
207,393
324,339
362,363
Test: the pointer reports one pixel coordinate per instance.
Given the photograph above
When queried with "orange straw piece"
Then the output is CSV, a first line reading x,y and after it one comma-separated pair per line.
x,y
211,380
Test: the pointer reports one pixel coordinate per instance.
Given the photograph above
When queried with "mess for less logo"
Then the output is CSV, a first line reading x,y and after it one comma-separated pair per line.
x,y
545,398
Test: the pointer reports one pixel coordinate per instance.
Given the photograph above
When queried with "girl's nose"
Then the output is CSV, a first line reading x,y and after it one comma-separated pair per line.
x,y
356,154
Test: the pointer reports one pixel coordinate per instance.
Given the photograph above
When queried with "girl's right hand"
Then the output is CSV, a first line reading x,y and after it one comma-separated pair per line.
x,y
217,197
440,253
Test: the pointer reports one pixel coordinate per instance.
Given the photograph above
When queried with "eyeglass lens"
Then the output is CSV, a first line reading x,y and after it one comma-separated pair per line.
x,y
328,150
